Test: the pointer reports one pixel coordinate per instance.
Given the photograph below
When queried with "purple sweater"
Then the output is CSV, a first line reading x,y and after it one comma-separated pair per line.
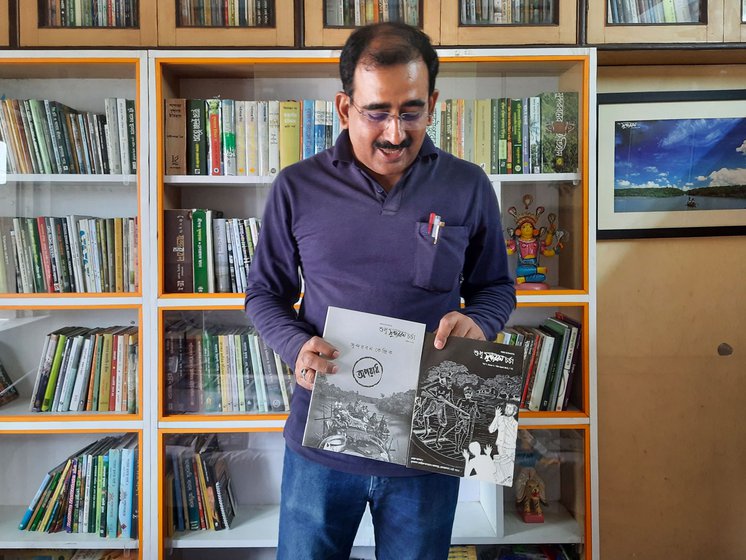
x,y
361,248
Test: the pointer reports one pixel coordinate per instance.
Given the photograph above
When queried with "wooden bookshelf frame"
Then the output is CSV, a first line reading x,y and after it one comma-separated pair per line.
x,y
316,35
282,35
4,23
564,33
711,32
31,35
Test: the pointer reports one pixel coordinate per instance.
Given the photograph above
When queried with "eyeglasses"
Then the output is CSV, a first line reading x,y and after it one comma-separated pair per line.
x,y
411,120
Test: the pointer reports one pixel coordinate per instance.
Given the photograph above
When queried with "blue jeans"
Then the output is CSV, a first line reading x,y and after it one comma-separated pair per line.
x,y
321,509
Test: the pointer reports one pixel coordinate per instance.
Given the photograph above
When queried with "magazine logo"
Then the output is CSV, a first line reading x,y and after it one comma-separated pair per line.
x,y
367,372
494,357
624,125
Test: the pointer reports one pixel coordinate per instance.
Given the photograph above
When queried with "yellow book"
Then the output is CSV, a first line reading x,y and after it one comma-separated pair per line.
x,y
224,365
55,497
289,133
209,510
118,256
105,383
482,135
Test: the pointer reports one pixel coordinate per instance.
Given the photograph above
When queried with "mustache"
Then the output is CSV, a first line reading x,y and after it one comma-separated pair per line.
x,y
385,145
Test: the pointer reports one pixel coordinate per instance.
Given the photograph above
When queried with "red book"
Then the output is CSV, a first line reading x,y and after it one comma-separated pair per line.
x,y
46,260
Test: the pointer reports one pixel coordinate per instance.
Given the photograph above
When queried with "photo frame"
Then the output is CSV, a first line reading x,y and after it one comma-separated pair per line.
x,y
671,164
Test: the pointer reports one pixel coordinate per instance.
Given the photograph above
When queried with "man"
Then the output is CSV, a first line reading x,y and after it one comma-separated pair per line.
x,y
353,221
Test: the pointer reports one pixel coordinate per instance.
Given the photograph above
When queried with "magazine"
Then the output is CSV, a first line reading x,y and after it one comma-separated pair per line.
x,y
397,398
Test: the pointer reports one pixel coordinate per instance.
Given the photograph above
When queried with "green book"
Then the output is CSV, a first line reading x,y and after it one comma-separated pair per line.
x,y
54,372
196,138
516,134
199,248
502,135
559,132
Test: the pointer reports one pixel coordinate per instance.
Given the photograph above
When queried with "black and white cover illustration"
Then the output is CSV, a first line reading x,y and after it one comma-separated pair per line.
x,y
465,419
365,409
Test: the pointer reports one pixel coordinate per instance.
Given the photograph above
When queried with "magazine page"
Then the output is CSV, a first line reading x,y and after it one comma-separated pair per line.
x,y
465,419
365,409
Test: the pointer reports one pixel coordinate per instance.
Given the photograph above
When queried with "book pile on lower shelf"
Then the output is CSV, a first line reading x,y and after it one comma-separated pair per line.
x,y
72,254
551,355
92,491
64,554
206,253
537,134
198,484
223,369
253,138
88,369
48,137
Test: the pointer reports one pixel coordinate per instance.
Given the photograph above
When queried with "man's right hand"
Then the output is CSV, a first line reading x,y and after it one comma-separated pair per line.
x,y
314,357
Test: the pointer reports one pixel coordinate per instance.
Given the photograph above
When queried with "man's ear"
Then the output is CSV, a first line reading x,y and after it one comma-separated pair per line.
x,y
431,106
342,103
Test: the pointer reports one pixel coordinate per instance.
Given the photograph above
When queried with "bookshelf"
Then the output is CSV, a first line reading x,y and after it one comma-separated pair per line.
x,y
687,22
486,514
318,32
174,31
35,32
34,442
557,24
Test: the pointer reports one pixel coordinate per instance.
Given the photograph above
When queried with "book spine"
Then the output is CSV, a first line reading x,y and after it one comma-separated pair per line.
x,y
196,137
174,143
214,143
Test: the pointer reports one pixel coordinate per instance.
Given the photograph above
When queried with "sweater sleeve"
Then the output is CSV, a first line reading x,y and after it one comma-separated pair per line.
x,y
488,288
274,279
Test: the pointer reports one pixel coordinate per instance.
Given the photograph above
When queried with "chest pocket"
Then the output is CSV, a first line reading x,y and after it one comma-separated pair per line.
x,y
438,266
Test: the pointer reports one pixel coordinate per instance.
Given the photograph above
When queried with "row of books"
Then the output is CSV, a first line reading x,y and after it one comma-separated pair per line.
x,y
92,491
225,13
522,12
68,254
198,485
223,369
653,11
206,253
537,134
64,554
88,13
551,353
48,137
348,13
244,138
88,369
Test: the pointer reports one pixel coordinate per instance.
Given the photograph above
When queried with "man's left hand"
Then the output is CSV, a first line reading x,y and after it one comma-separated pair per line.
x,y
457,324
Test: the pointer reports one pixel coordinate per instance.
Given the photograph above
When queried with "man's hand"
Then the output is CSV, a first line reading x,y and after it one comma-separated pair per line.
x,y
314,357
456,324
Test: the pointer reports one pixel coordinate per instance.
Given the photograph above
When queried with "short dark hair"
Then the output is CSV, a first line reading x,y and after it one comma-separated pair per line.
x,y
403,44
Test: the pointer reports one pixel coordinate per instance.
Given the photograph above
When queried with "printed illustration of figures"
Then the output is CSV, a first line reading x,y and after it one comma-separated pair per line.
x,y
464,424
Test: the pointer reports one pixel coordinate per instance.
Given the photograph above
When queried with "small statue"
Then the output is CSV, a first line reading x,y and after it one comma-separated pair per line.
x,y
530,495
528,243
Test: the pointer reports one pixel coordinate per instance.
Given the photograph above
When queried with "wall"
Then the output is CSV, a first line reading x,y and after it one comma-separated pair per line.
x,y
671,431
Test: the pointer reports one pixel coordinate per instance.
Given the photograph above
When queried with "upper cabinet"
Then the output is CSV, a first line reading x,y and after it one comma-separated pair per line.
x,y
664,21
214,23
57,23
735,23
328,23
508,22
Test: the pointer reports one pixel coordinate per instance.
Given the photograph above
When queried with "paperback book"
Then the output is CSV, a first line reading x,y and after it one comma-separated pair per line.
x,y
396,398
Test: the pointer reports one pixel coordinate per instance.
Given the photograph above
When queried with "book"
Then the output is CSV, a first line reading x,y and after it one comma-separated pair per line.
x,y
196,138
396,398
175,135
290,133
214,143
178,275
559,131
228,135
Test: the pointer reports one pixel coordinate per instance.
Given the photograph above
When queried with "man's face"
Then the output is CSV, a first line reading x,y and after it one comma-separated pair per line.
x,y
386,149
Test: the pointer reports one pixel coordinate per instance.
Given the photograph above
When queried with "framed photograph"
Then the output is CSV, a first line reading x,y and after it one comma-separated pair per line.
x,y
671,164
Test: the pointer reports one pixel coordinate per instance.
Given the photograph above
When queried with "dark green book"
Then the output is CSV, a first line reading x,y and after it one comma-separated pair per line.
x,y
196,138
132,133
